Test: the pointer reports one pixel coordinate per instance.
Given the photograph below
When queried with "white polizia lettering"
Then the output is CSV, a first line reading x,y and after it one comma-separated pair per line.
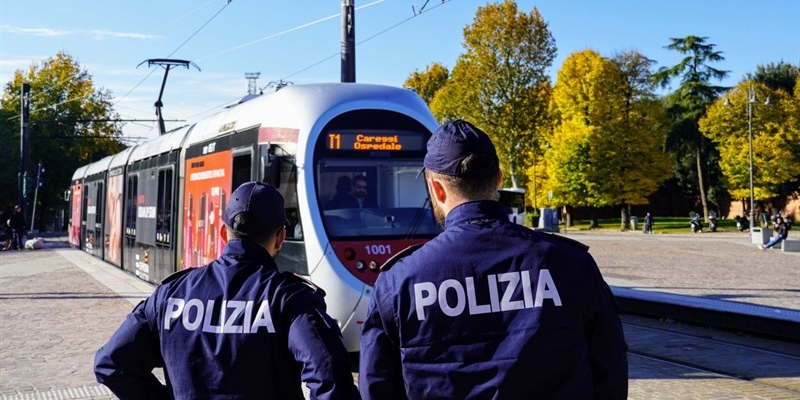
x,y
235,316
427,294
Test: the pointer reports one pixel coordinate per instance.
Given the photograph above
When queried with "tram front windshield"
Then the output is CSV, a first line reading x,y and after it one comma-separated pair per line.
x,y
374,197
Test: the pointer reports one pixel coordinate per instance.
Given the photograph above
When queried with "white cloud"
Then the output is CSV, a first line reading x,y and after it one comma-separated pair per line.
x,y
98,34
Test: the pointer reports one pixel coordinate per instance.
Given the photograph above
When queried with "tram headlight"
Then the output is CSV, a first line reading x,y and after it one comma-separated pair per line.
x,y
360,265
349,254
373,265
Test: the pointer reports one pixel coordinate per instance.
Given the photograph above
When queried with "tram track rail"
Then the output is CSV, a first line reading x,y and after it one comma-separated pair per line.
x,y
779,323
767,365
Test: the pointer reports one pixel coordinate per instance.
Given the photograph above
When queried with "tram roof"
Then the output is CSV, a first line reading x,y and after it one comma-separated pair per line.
x,y
320,103
165,143
121,158
80,173
98,166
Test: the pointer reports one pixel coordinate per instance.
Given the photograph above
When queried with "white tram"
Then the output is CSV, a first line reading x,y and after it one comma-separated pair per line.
x,y
157,207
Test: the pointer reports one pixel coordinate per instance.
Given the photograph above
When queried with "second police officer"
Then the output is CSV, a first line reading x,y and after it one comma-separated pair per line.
x,y
236,328
489,309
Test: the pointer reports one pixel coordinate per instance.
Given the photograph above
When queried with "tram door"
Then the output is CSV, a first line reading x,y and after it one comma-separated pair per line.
x,y
76,215
94,199
113,218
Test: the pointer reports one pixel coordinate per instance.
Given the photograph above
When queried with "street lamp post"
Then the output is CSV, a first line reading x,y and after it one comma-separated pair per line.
x,y
751,99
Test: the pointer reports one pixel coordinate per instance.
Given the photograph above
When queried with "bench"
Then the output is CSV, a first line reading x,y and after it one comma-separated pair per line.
x,y
792,245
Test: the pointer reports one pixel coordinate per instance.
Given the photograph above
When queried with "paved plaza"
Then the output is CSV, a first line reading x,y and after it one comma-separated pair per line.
x,y
59,305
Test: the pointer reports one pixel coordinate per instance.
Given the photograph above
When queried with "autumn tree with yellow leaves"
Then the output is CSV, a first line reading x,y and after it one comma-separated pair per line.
x,y
606,146
499,83
776,140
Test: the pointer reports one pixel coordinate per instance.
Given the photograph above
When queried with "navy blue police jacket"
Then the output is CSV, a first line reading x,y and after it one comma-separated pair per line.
x,y
234,329
493,310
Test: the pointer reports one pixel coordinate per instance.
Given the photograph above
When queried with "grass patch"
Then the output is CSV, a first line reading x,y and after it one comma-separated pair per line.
x,y
661,225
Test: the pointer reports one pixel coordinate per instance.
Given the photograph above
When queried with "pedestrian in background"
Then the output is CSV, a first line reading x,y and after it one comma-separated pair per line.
x,y
235,328
648,223
781,233
17,224
7,232
488,309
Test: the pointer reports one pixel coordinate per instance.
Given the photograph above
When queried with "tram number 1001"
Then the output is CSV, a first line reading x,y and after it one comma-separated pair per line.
x,y
378,249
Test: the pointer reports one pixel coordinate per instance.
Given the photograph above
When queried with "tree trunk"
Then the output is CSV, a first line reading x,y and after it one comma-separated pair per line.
x,y
512,170
624,216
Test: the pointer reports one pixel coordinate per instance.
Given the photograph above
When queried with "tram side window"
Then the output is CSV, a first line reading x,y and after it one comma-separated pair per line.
x,y
85,207
130,205
99,201
288,187
164,214
241,170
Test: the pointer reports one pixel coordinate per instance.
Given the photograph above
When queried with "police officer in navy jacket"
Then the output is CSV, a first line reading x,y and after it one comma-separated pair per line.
x,y
235,328
489,309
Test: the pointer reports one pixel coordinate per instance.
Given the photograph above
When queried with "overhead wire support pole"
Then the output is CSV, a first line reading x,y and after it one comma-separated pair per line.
x,y
348,68
167,63
25,104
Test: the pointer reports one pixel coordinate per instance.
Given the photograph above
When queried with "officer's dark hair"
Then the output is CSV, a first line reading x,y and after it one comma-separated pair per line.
x,y
249,227
477,178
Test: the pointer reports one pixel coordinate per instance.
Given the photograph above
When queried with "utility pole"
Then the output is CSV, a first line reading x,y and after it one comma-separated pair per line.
x,y
39,172
348,41
25,105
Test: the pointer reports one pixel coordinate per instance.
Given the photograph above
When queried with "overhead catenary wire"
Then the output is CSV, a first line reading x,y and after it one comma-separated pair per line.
x,y
179,47
414,15
74,98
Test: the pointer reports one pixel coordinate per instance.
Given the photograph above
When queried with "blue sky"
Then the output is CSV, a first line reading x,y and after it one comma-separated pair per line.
x,y
299,41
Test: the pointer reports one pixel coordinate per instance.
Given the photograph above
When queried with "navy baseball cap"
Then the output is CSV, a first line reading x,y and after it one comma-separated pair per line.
x,y
260,199
454,141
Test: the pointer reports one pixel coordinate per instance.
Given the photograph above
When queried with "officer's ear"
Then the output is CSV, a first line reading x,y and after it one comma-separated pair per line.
x,y
223,233
277,244
499,179
437,190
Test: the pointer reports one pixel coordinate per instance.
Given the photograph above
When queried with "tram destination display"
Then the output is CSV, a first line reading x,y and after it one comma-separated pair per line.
x,y
375,140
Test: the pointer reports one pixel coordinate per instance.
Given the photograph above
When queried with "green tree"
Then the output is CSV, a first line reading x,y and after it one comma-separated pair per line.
x,y
606,147
644,165
500,83
583,108
688,103
428,82
777,76
775,137
71,124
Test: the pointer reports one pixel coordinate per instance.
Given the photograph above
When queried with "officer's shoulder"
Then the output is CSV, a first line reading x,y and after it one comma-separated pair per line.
x,y
399,256
568,241
297,278
176,275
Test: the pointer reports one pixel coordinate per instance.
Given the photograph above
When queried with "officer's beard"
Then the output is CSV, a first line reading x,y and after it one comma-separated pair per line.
x,y
438,213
